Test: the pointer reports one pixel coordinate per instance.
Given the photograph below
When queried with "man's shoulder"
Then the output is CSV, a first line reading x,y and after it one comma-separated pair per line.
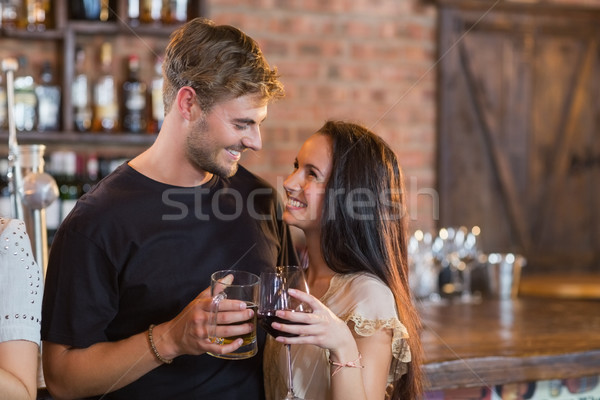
x,y
116,194
245,178
116,184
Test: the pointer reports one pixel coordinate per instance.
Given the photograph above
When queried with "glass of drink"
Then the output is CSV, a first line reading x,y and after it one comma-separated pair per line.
x,y
244,287
274,296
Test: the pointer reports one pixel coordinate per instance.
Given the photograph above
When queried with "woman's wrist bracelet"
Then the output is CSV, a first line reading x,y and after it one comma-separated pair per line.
x,y
153,347
350,364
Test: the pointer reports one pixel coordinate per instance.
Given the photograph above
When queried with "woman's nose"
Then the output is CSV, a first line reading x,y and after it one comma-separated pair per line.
x,y
291,183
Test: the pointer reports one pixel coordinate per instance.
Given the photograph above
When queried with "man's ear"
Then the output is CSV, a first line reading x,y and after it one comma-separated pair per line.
x,y
185,102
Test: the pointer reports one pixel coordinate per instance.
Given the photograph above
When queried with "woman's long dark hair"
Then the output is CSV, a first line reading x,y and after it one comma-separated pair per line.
x,y
364,227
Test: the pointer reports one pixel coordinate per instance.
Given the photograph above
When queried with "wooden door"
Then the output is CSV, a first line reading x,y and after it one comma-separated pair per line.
x,y
519,129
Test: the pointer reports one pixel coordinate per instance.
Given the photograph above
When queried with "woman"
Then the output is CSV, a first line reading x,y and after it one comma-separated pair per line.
x,y
21,286
346,195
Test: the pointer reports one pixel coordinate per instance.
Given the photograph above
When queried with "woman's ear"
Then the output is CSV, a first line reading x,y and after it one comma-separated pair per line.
x,y
185,102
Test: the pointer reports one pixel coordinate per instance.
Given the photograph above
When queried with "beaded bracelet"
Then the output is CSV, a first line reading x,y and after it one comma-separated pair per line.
x,y
153,347
350,364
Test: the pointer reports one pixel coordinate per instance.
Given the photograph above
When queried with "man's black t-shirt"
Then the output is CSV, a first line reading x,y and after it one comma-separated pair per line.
x,y
135,252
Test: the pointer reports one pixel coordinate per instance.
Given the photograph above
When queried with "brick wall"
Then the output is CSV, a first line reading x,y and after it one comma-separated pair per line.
x,y
368,61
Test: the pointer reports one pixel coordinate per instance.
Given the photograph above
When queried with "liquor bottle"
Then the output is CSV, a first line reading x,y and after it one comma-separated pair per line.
x,y
106,106
174,11
25,109
158,107
133,12
85,9
104,11
89,176
134,98
35,17
80,95
150,11
69,191
48,96
93,10
11,10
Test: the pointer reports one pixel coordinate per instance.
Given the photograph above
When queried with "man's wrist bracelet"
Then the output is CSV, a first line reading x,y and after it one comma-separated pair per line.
x,y
153,347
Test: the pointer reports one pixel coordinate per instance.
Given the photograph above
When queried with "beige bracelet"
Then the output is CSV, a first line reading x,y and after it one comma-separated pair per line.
x,y
153,347
350,364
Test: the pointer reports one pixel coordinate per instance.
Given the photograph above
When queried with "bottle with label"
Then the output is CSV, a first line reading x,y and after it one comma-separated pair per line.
x,y
90,174
150,11
174,11
25,110
65,169
105,11
158,107
80,94
106,105
92,10
134,98
35,17
133,12
85,9
10,13
48,96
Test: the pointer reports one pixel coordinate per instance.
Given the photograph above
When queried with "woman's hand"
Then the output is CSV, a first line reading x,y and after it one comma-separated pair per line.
x,y
324,329
321,327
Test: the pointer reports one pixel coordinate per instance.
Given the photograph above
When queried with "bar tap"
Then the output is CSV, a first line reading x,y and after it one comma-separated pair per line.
x,y
31,189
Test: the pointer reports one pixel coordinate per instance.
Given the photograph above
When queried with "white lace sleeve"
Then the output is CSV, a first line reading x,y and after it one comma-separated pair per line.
x,y
370,305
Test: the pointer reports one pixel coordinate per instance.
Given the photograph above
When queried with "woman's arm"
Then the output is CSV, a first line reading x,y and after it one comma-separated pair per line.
x,y
376,351
18,370
324,329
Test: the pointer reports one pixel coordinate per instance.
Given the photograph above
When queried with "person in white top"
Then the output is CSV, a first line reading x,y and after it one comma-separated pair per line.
x,y
21,289
361,341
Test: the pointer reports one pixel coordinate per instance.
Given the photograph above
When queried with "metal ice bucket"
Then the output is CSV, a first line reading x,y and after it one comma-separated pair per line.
x,y
503,273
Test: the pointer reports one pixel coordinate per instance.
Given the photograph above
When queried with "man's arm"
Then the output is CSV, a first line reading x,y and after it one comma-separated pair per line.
x,y
98,369
104,367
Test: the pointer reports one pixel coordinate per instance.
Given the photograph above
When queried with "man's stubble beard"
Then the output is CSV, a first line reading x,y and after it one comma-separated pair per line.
x,y
199,154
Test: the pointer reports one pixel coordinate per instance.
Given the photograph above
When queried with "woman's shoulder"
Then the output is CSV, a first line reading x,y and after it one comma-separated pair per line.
x,y
15,246
363,293
362,281
13,236
11,226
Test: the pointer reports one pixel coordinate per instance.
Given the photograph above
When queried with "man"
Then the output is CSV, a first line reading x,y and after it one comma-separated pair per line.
x,y
137,250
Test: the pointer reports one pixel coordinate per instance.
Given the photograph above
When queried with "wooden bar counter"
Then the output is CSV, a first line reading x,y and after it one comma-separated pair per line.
x,y
501,341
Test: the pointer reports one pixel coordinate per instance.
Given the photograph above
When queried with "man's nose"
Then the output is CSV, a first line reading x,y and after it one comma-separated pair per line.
x,y
252,140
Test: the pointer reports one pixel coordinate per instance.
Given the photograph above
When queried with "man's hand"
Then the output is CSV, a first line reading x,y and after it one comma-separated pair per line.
x,y
188,332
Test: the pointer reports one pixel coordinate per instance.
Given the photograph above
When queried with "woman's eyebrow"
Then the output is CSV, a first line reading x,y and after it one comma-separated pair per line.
x,y
314,167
